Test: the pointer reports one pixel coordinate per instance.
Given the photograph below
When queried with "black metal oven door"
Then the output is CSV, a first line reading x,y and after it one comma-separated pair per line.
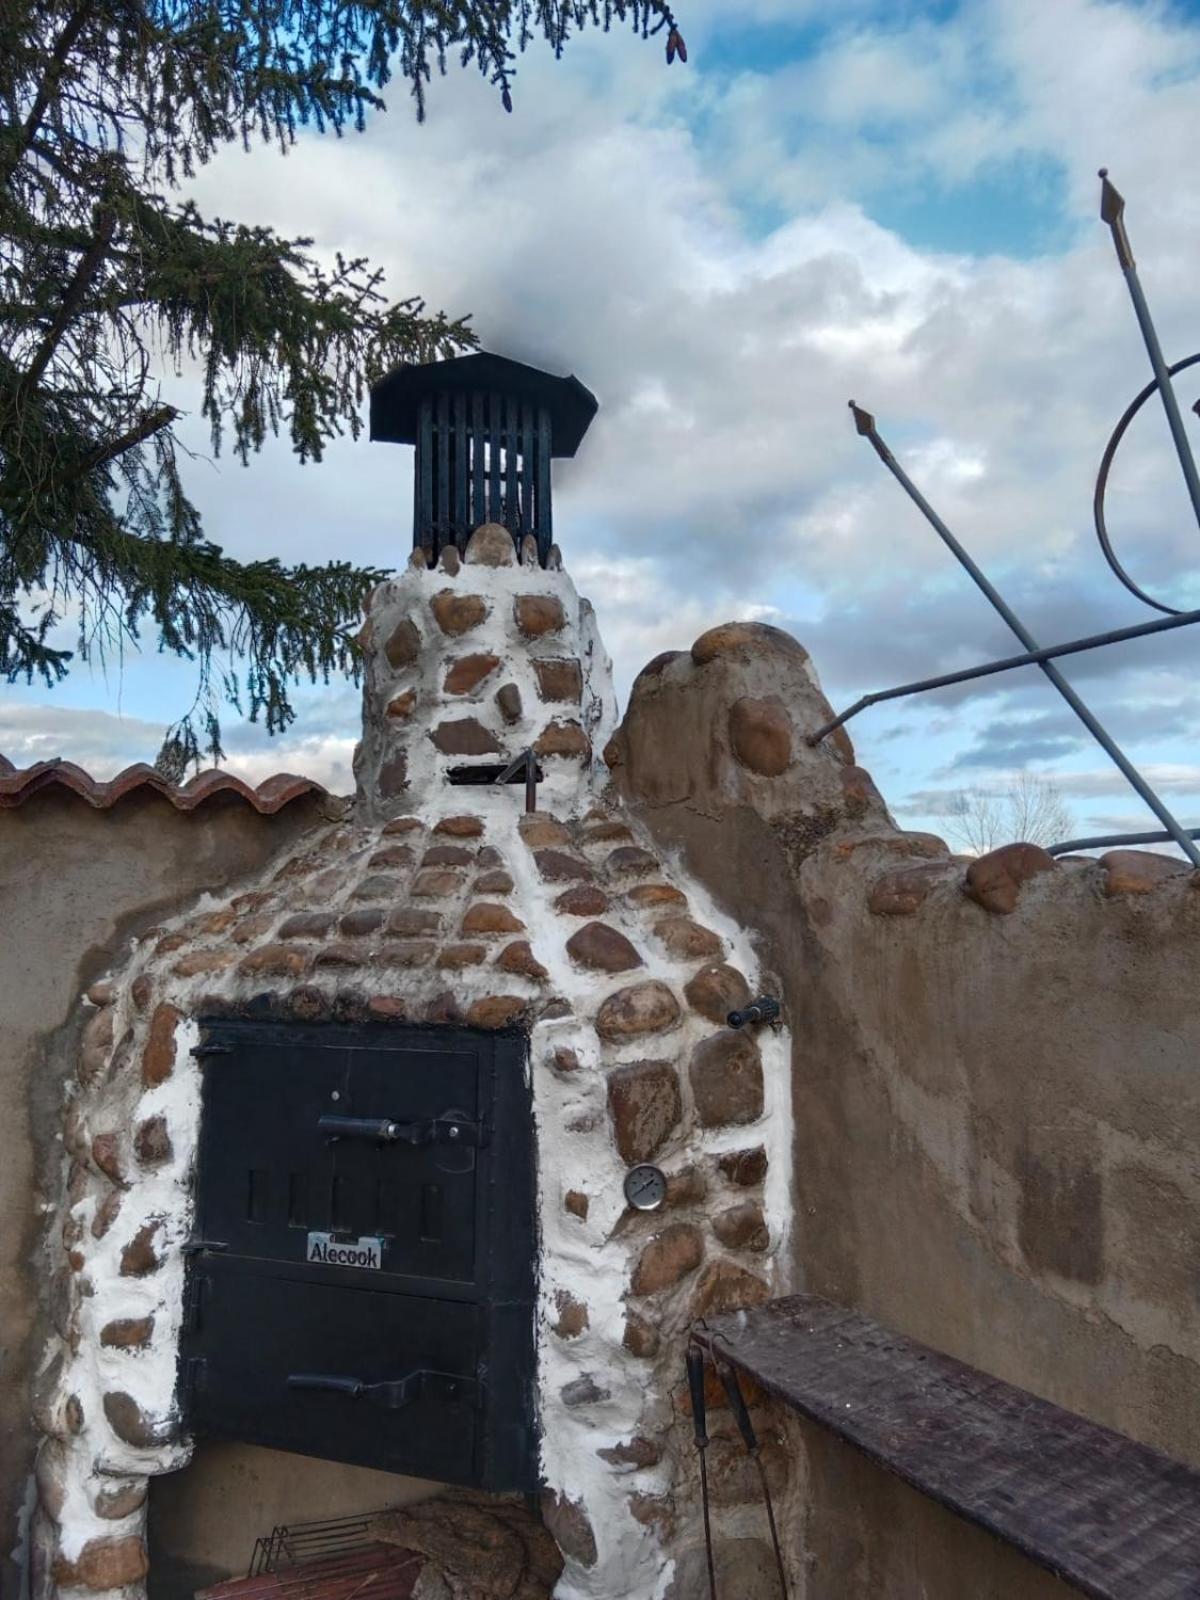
x,y
304,1136
361,1276
384,1380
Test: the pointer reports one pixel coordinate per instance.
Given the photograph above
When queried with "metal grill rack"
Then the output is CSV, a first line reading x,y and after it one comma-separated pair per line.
x,y
293,1544
332,1559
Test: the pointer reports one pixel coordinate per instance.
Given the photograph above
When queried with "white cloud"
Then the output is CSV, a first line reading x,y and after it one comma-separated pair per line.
x,y
104,744
613,226
96,740
325,758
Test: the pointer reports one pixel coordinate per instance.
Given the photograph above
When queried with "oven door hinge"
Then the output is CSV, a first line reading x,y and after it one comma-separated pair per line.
x,y
193,1303
193,1379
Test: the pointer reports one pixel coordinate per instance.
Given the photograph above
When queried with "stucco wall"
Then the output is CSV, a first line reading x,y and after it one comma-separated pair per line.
x,y
75,884
994,1077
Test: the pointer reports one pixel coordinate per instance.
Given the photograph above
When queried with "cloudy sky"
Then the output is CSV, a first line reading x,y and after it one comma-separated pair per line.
x,y
895,202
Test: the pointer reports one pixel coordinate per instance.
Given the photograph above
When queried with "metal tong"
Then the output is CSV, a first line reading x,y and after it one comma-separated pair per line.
x,y
694,1360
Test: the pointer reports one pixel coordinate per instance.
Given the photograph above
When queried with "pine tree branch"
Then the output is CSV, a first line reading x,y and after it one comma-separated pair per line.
x,y
59,56
106,107
25,654
72,299
153,422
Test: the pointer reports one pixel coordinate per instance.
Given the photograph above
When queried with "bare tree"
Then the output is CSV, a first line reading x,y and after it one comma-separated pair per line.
x,y
1028,808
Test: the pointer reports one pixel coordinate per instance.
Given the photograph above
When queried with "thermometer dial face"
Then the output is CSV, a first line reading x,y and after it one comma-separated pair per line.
x,y
645,1188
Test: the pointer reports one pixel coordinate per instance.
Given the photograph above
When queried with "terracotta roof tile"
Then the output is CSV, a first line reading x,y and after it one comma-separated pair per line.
x,y
17,784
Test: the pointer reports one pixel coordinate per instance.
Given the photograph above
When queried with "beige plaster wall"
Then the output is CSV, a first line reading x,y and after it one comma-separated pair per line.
x,y
997,1142
75,885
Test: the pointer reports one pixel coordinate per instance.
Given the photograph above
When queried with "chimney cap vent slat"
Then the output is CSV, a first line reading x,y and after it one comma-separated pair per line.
x,y
485,429
396,398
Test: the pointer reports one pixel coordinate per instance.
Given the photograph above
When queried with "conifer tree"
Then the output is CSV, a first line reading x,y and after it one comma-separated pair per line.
x,y
108,271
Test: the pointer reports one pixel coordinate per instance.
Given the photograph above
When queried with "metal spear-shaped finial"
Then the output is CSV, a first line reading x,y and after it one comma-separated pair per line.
x,y
864,422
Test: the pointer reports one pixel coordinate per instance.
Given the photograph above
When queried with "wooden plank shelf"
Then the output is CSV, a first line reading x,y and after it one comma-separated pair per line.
x,y
1115,1518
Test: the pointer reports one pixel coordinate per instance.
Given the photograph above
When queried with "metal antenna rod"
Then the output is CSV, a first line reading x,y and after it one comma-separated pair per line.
x,y
865,423
1112,211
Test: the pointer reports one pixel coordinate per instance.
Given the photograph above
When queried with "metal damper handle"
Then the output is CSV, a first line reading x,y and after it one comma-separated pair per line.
x,y
382,1129
392,1394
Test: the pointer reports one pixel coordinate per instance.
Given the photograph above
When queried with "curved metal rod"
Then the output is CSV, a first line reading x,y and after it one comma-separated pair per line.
x,y
1115,840
1106,462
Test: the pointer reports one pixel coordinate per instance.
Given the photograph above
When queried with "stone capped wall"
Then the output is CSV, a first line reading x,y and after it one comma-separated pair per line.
x,y
994,1069
447,904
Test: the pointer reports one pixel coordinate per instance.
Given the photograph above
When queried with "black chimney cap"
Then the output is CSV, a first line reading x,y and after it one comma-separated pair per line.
x,y
394,399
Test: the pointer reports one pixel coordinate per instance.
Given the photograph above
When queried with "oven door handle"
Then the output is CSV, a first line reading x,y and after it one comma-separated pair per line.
x,y
395,1393
449,1129
385,1130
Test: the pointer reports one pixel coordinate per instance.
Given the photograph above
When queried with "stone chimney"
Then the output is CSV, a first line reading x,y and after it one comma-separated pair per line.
x,y
469,664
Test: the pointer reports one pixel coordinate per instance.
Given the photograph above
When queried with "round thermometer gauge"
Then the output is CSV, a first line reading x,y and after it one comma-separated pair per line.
x,y
645,1188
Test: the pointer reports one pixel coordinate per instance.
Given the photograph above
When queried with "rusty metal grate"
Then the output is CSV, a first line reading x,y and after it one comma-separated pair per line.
x,y
337,1558
291,1544
1114,1517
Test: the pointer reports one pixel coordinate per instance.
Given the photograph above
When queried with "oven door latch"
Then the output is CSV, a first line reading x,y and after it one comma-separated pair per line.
x,y
393,1394
449,1129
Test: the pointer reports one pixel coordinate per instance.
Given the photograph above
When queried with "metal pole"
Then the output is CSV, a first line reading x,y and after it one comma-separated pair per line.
x,y
1112,211
865,423
1031,658
1111,840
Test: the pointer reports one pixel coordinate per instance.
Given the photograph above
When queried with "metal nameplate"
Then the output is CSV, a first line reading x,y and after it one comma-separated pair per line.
x,y
328,1250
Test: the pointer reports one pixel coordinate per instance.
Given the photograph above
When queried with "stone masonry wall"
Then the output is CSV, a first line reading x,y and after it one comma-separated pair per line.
x,y
438,903
994,1069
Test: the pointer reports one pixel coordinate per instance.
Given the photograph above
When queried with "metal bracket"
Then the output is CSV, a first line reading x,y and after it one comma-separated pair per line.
x,y
526,762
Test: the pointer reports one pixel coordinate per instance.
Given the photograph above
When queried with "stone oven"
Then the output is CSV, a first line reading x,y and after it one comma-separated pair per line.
x,y
344,1154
